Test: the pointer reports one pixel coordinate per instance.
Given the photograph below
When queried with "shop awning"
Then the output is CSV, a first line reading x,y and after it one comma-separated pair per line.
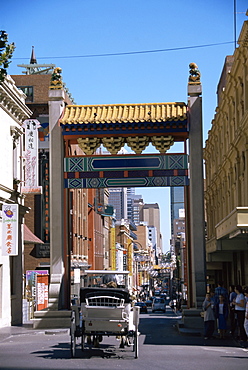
x,y
30,238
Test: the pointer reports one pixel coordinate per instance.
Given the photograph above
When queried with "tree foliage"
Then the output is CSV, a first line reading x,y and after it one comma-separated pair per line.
x,y
6,52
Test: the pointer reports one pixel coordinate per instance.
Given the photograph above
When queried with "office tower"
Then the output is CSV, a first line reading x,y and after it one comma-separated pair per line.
x,y
118,199
150,213
177,203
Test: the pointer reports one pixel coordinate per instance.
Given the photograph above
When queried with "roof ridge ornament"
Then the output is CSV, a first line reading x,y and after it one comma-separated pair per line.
x,y
194,74
56,79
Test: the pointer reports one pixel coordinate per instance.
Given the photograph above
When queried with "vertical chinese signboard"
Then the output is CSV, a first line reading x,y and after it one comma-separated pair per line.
x,y
10,229
31,157
112,249
130,256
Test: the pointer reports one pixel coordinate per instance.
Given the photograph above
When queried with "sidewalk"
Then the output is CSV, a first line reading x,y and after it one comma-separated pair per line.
x,y
229,340
27,329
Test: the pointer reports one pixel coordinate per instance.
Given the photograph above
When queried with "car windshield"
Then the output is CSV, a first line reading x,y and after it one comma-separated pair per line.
x,y
157,300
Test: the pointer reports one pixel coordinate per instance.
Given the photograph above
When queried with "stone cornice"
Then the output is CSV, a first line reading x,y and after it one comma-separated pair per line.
x,y
12,101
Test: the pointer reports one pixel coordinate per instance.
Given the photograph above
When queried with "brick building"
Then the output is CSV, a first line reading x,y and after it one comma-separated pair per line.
x,y
87,228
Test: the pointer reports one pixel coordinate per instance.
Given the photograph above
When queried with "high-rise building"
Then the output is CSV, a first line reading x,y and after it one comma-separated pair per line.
x,y
152,236
134,205
118,199
177,203
150,213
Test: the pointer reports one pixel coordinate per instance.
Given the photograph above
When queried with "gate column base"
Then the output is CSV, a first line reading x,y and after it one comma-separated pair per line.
x,y
51,319
54,291
192,323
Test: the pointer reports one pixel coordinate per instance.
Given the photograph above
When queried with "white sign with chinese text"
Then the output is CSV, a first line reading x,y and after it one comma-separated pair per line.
x,y
31,157
10,229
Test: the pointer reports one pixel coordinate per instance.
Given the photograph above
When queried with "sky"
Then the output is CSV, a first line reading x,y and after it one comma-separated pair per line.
x,y
128,51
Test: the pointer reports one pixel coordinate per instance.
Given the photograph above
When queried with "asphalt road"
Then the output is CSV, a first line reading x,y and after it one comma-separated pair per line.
x,y
160,347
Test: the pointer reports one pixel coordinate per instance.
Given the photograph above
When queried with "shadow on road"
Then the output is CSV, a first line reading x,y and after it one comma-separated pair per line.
x,y
105,351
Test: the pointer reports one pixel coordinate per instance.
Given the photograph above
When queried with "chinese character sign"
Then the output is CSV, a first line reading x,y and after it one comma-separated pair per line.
x,y
10,229
31,156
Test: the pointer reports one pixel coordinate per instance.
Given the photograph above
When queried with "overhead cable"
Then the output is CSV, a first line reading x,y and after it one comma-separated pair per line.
x,y
132,52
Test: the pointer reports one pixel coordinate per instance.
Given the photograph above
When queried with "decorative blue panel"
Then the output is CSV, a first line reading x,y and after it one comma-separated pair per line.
x,y
126,182
126,162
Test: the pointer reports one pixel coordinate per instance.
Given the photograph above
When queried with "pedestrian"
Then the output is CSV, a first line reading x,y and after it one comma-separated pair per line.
x,y
233,321
240,312
220,290
221,311
246,312
209,317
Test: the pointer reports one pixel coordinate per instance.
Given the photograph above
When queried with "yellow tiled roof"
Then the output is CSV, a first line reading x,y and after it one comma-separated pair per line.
x,y
154,112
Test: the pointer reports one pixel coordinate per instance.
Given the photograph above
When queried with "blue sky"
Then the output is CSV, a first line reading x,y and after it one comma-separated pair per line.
x,y
68,33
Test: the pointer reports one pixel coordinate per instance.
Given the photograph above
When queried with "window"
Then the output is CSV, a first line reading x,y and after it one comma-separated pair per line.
x,y
28,90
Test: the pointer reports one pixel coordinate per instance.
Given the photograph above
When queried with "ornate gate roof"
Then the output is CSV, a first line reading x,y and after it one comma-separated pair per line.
x,y
114,125
127,113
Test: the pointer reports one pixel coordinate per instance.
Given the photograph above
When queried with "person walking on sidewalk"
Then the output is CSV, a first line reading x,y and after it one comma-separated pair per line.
x,y
240,312
209,317
221,310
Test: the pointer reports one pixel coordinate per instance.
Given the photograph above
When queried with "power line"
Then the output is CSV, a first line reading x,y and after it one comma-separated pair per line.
x,y
132,52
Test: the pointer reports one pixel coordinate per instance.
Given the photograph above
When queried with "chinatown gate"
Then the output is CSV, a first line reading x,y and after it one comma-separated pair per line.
x,y
113,126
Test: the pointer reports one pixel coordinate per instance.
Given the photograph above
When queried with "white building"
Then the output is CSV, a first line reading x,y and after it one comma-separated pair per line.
x,y
152,236
150,213
13,112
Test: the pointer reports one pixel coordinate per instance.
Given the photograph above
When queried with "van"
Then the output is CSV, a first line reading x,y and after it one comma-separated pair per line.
x,y
158,304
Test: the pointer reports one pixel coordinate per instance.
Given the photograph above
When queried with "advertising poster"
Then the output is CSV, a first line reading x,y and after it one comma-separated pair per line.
x,y
31,282
41,292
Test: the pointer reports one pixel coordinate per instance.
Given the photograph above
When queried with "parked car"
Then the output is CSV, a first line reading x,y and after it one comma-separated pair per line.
x,y
148,302
159,304
142,306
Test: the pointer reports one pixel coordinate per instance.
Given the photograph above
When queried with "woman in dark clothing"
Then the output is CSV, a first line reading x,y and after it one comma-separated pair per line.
x,y
221,311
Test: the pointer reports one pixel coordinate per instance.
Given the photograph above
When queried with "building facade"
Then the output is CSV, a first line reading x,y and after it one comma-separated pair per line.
x,y
226,162
176,203
118,199
88,229
134,203
13,112
150,213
